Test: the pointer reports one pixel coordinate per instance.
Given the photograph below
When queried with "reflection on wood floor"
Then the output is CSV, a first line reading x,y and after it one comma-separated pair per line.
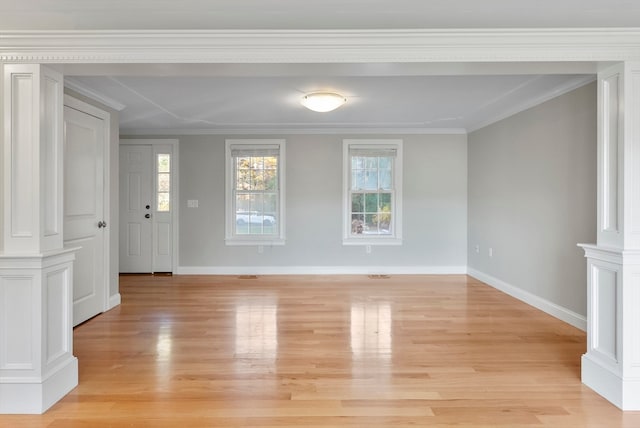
x,y
325,351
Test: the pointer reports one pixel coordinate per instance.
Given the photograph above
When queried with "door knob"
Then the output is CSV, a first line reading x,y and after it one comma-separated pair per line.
x,y
102,224
147,216
147,206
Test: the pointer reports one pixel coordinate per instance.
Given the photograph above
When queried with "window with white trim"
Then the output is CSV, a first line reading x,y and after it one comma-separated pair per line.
x,y
254,189
372,192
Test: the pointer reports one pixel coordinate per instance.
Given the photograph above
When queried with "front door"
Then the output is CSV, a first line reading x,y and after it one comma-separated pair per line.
x,y
136,209
148,192
84,210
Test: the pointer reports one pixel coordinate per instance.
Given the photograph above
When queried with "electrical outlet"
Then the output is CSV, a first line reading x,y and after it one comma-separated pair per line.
x,y
477,249
260,249
490,252
367,249
192,203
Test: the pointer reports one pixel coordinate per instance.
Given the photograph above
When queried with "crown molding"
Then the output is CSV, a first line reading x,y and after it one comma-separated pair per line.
x,y
321,46
93,94
292,131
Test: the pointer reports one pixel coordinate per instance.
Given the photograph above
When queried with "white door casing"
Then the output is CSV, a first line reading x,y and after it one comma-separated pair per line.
x,y
147,244
85,137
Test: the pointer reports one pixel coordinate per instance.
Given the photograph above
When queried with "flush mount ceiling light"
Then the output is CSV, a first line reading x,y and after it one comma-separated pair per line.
x,y
323,101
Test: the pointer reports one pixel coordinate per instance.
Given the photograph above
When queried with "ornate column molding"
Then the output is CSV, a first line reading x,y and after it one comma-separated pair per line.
x,y
37,366
321,46
32,161
611,365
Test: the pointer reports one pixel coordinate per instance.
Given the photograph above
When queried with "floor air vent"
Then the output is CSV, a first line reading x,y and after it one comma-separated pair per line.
x,y
379,277
248,277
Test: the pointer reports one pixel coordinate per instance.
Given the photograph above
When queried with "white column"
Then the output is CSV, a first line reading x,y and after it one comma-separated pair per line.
x,y
611,365
37,366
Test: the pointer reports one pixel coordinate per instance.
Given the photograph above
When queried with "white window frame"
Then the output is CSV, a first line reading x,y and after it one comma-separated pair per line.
x,y
230,215
396,226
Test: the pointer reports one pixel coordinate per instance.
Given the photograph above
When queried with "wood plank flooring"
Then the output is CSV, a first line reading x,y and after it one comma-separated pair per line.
x,y
325,351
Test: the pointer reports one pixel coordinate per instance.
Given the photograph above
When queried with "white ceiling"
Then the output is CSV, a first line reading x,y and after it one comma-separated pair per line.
x,y
314,14
375,103
254,98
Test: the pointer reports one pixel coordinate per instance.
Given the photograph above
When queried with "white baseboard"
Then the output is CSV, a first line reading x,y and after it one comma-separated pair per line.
x,y
544,305
321,270
114,301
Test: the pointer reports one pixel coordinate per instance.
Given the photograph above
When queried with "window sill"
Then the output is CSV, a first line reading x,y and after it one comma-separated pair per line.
x,y
254,241
371,241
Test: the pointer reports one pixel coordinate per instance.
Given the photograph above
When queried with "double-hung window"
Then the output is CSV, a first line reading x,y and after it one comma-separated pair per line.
x,y
372,192
254,192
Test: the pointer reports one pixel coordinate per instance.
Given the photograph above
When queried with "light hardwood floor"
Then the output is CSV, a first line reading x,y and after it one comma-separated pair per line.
x,y
326,351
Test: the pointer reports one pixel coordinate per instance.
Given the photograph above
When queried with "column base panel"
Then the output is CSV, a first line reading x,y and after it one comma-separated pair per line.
x,y
623,393
37,397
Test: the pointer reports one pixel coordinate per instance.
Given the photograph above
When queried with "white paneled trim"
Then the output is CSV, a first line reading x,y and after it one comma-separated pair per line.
x,y
610,155
18,349
561,90
21,143
611,365
603,311
622,392
36,261
56,301
24,396
32,165
321,46
632,319
631,196
618,155
322,270
601,379
37,366
562,313
93,94
611,254
51,159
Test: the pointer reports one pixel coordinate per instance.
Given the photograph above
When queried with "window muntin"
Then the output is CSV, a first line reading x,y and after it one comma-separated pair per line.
x,y
371,192
256,194
372,189
254,203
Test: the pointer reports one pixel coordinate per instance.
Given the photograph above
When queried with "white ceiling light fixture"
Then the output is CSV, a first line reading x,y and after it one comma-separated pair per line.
x,y
323,101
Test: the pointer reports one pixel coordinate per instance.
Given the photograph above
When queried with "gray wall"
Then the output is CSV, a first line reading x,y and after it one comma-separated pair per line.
x,y
435,205
527,190
532,197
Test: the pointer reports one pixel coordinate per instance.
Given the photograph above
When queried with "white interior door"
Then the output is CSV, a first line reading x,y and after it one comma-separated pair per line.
x,y
136,203
84,210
